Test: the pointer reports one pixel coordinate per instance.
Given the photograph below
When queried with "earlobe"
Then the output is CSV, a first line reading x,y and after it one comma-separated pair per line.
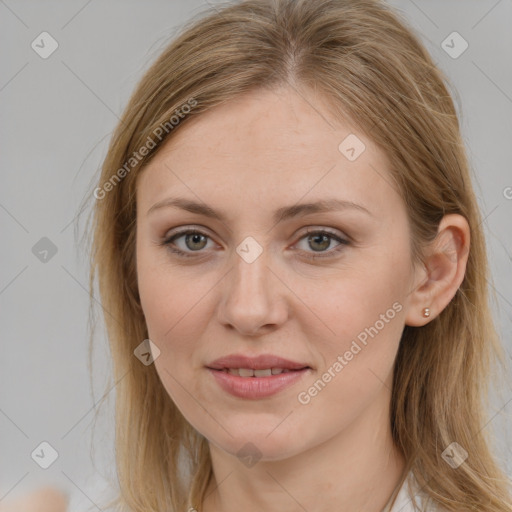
x,y
443,271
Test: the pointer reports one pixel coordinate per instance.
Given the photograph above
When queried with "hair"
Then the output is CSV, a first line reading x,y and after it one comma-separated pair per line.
x,y
366,63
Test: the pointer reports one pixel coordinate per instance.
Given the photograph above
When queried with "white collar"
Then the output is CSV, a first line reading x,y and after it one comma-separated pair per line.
x,y
403,502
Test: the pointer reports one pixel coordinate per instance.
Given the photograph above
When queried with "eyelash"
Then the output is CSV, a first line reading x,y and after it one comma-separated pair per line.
x,y
168,243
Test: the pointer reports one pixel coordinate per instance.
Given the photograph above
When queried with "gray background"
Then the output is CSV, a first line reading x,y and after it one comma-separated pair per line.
x,y
57,114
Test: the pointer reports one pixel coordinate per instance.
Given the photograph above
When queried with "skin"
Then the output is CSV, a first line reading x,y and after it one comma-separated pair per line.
x,y
246,158
45,499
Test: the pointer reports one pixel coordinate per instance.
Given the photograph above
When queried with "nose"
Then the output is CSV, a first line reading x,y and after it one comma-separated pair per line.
x,y
253,297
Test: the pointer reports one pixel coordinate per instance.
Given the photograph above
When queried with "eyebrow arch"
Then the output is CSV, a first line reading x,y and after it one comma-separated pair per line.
x,y
284,213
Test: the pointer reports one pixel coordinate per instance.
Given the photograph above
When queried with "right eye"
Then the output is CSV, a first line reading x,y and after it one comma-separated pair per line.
x,y
193,240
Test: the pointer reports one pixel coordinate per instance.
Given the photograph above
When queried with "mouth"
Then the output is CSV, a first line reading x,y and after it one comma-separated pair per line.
x,y
263,365
257,377
256,384
252,372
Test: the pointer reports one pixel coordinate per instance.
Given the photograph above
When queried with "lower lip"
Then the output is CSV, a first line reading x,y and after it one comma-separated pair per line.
x,y
256,387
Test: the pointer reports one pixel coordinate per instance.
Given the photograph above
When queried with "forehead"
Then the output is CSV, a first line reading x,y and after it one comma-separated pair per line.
x,y
271,148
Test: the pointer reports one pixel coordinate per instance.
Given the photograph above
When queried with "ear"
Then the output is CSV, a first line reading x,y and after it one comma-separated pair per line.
x,y
442,272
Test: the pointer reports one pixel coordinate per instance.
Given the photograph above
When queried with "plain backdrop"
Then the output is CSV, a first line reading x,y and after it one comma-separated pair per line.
x,y
57,114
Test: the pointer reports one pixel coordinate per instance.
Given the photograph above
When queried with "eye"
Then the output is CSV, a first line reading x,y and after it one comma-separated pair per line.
x,y
194,241
321,239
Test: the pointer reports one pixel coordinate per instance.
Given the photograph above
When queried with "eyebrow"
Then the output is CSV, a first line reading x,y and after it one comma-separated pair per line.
x,y
281,214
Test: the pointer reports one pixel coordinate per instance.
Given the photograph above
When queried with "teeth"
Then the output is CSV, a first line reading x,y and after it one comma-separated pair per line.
x,y
263,373
249,372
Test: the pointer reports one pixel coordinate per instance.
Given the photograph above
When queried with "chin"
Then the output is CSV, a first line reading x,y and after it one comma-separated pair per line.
x,y
258,445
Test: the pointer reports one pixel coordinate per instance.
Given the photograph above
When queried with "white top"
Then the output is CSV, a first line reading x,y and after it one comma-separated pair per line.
x,y
100,489
403,502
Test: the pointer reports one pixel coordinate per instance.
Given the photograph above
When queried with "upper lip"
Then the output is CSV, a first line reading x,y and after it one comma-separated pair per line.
x,y
261,362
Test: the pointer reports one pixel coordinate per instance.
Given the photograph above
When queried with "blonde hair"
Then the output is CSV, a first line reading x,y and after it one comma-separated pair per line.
x,y
369,67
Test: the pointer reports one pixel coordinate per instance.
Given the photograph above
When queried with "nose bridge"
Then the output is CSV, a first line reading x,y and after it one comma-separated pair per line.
x,y
251,268
250,279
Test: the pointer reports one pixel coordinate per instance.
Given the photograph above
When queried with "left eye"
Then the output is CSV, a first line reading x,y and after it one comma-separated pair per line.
x,y
195,241
322,240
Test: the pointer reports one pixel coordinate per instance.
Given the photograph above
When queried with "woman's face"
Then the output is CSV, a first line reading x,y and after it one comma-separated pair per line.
x,y
248,284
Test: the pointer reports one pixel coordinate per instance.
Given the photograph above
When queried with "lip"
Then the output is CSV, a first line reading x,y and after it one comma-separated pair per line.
x,y
256,387
260,362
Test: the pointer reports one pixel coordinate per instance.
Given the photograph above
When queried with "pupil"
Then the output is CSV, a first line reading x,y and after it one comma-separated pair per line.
x,y
325,239
195,238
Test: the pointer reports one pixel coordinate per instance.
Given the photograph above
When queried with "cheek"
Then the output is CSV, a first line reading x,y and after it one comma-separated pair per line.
x,y
173,312
364,326
363,309
168,307
173,301
357,361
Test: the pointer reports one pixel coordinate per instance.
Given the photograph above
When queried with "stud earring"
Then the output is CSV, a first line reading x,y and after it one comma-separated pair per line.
x,y
426,312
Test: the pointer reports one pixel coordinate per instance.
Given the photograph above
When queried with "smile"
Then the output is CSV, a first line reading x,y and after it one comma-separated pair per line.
x,y
256,384
249,372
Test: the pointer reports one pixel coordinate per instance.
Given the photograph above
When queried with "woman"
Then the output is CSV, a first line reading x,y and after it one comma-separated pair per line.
x,y
292,266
